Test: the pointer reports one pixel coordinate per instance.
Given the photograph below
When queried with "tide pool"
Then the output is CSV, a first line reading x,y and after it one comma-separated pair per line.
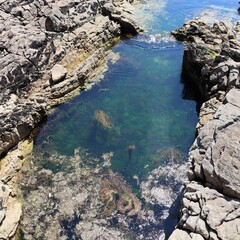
x,y
141,109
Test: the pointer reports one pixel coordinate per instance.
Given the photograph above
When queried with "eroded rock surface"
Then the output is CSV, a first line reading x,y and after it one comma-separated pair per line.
x,y
47,50
207,214
210,206
10,205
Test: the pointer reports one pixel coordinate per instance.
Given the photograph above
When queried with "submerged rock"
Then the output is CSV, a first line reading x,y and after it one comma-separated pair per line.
x,y
116,195
78,197
164,184
100,117
48,49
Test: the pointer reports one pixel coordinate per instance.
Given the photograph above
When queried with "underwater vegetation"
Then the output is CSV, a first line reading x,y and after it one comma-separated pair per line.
x,y
100,117
131,148
117,195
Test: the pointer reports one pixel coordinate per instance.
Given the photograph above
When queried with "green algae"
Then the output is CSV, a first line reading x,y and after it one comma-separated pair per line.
x,y
141,94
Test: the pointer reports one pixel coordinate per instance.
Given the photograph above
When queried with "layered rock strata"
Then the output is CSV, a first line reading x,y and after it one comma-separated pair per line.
x,y
210,206
11,206
48,49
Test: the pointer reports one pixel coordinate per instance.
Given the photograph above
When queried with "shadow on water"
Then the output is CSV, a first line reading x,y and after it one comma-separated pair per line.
x,y
150,102
191,91
174,215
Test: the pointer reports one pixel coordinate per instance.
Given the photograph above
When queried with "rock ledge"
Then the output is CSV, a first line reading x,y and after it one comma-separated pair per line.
x,y
210,206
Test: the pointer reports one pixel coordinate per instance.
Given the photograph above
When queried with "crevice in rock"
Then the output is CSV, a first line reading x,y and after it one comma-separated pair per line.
x,y
125,25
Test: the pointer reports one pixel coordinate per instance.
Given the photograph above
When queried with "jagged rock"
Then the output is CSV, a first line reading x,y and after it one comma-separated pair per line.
x,y
55,24
48,49
210,206
37,38
218,76
217,213
206,57
10,206
214,157
12,217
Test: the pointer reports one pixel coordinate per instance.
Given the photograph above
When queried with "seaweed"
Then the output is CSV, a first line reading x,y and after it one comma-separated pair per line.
x,y
117,196
101,118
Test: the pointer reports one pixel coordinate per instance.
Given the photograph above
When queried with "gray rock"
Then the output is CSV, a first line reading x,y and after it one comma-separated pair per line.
x,y
210,207
39,36
39,41
179,235
213,216
214,139
58,73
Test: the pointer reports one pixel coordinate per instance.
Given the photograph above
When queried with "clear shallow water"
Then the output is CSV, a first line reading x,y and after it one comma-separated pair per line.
x,y
142,93
166,15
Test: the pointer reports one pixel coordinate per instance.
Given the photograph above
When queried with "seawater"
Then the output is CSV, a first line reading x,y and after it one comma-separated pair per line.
x,y
142,93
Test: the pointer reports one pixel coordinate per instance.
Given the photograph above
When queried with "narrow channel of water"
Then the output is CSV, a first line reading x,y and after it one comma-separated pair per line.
x,y
148,108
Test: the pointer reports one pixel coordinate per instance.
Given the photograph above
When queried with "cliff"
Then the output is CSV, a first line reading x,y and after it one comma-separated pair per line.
x,y
210,206
49,51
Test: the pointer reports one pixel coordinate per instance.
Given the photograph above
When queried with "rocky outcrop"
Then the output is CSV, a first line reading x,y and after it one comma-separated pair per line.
x,y
11,206
210,206
215,153
207,58
207,214
48,49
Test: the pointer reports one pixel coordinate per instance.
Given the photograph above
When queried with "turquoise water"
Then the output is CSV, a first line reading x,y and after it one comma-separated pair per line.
x,y
142,94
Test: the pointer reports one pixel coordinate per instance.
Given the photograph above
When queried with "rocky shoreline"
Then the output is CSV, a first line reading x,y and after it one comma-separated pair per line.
x,y
49,51
211,202
79,197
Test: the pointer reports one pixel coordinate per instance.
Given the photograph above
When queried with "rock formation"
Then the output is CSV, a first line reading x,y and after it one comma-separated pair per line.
x,y
116,195
100,117
210,206
48,49
11,206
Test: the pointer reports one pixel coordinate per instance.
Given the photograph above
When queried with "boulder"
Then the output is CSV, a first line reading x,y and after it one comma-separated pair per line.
x,y
58,73
217,212
215,154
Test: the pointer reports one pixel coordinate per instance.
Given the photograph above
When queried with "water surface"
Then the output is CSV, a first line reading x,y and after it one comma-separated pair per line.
x,y
142,93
